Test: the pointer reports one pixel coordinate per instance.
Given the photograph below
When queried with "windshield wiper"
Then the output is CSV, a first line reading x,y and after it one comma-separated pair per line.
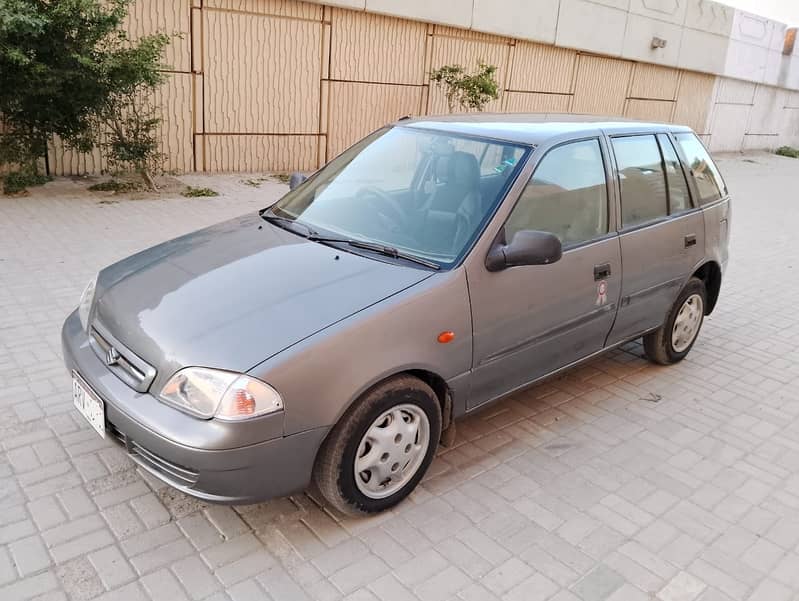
x,y
272,218
382,249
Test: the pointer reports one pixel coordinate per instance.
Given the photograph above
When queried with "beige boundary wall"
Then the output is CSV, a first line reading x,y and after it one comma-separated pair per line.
x,y
282,85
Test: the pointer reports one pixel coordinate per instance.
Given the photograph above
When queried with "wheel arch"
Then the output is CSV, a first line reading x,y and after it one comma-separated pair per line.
x,y
710,274
439,385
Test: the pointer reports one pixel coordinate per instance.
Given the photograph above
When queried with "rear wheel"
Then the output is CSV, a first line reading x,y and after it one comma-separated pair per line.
x,y
380,450
674,339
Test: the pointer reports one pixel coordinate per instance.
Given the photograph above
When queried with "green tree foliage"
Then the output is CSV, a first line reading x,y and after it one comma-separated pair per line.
x,y
129,116
65,67
464,90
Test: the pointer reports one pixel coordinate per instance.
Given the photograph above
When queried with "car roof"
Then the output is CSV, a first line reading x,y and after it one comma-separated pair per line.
x,y
533,128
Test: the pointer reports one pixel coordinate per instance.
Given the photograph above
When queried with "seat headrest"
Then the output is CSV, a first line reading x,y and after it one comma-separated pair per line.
x,y
463,169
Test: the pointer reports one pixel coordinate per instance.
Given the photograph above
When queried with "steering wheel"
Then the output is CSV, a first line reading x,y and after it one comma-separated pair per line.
x,y
388,209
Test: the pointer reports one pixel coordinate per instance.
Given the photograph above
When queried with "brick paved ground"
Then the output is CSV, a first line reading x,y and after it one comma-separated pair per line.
x,y
620,481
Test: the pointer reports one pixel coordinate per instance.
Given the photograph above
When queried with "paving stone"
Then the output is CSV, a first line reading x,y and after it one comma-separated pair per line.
x,y
195,577
577,488
81,545
162,556
535,588
112,567
30,555
163,586
7,568
150,511
683,587
46,513
598,584
30,587
443,585
358,574
79,579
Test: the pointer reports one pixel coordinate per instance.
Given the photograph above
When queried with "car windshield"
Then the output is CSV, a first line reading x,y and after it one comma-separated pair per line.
x,y
426,194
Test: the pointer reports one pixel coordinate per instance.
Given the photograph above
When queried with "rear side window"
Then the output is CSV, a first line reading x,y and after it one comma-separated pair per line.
x,y
705,173
567,195
679,199
643,184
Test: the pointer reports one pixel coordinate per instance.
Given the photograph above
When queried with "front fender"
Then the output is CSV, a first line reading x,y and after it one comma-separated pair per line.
x,y
320,377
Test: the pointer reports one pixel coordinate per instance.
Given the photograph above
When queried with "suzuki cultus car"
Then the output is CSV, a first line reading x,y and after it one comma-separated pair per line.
x,y
437,265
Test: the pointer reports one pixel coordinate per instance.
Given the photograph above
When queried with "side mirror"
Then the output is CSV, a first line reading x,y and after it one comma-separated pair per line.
x,y
528,247
296,179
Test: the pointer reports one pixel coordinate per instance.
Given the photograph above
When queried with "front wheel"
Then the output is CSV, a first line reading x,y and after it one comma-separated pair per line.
x,y
674,339
380,450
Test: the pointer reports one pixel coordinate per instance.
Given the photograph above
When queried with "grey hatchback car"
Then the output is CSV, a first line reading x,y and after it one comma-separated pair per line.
x,y
437,265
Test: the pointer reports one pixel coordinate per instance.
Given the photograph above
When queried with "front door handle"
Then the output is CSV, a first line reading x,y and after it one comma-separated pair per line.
x,y
690,240
601,272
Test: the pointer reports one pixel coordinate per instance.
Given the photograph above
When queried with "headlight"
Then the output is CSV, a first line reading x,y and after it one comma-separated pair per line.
x,y
85,304
223,394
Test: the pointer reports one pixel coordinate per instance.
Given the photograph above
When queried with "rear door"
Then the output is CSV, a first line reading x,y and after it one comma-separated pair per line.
x,y
711,192
661,231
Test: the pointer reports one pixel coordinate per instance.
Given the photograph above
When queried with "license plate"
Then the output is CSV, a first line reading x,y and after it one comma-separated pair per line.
x,y
88,403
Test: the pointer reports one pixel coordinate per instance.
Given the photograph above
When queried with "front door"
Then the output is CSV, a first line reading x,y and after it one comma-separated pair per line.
x,y
531,320
662,234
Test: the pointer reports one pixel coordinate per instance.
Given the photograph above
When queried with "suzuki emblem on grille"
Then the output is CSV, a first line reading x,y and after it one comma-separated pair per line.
x,y
112,356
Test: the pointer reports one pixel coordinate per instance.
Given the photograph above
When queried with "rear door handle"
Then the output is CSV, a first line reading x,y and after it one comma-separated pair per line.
x,y
601,272
690,240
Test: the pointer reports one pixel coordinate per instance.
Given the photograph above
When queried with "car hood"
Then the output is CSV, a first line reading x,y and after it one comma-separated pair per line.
x,y
233,295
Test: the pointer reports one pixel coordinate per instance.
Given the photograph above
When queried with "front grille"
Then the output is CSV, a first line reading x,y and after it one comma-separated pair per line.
x,y
126,365
172,472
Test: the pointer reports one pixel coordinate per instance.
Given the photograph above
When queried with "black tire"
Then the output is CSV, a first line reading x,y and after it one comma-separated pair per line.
x,y
658,345
334,470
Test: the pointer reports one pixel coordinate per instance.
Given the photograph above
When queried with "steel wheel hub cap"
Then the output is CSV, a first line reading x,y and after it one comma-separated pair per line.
x,y
391,451
687,323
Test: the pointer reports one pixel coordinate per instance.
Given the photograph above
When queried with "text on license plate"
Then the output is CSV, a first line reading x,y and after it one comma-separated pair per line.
x,y
89,404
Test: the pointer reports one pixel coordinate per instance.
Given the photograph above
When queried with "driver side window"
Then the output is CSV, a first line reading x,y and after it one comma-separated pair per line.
x,y
567,195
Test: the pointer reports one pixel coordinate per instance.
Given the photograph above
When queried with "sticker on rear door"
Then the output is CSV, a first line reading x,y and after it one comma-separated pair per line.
x,y
601,293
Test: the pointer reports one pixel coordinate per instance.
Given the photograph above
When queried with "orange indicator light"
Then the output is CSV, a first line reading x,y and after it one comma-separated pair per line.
x,y
445,337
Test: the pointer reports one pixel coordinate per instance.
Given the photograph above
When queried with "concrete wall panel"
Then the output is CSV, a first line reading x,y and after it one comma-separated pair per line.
x,y
65,161
673,11
729,127
694,99
591,26
766,115
746,61
735,91
175,134
712,17
262,74
451,46
374,48
652,81
760,142
451,12
702,51
504,18
789,128
638,40
284,84
752,29
375,105
532,102
602,84
542,68
176,100
260,153
282,8
149,16
649,110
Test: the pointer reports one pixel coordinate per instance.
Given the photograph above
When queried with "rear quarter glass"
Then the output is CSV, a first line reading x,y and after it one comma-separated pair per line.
x,y
706,174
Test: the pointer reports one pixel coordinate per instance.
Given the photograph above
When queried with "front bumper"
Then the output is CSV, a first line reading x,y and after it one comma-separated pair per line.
x,y
244,474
